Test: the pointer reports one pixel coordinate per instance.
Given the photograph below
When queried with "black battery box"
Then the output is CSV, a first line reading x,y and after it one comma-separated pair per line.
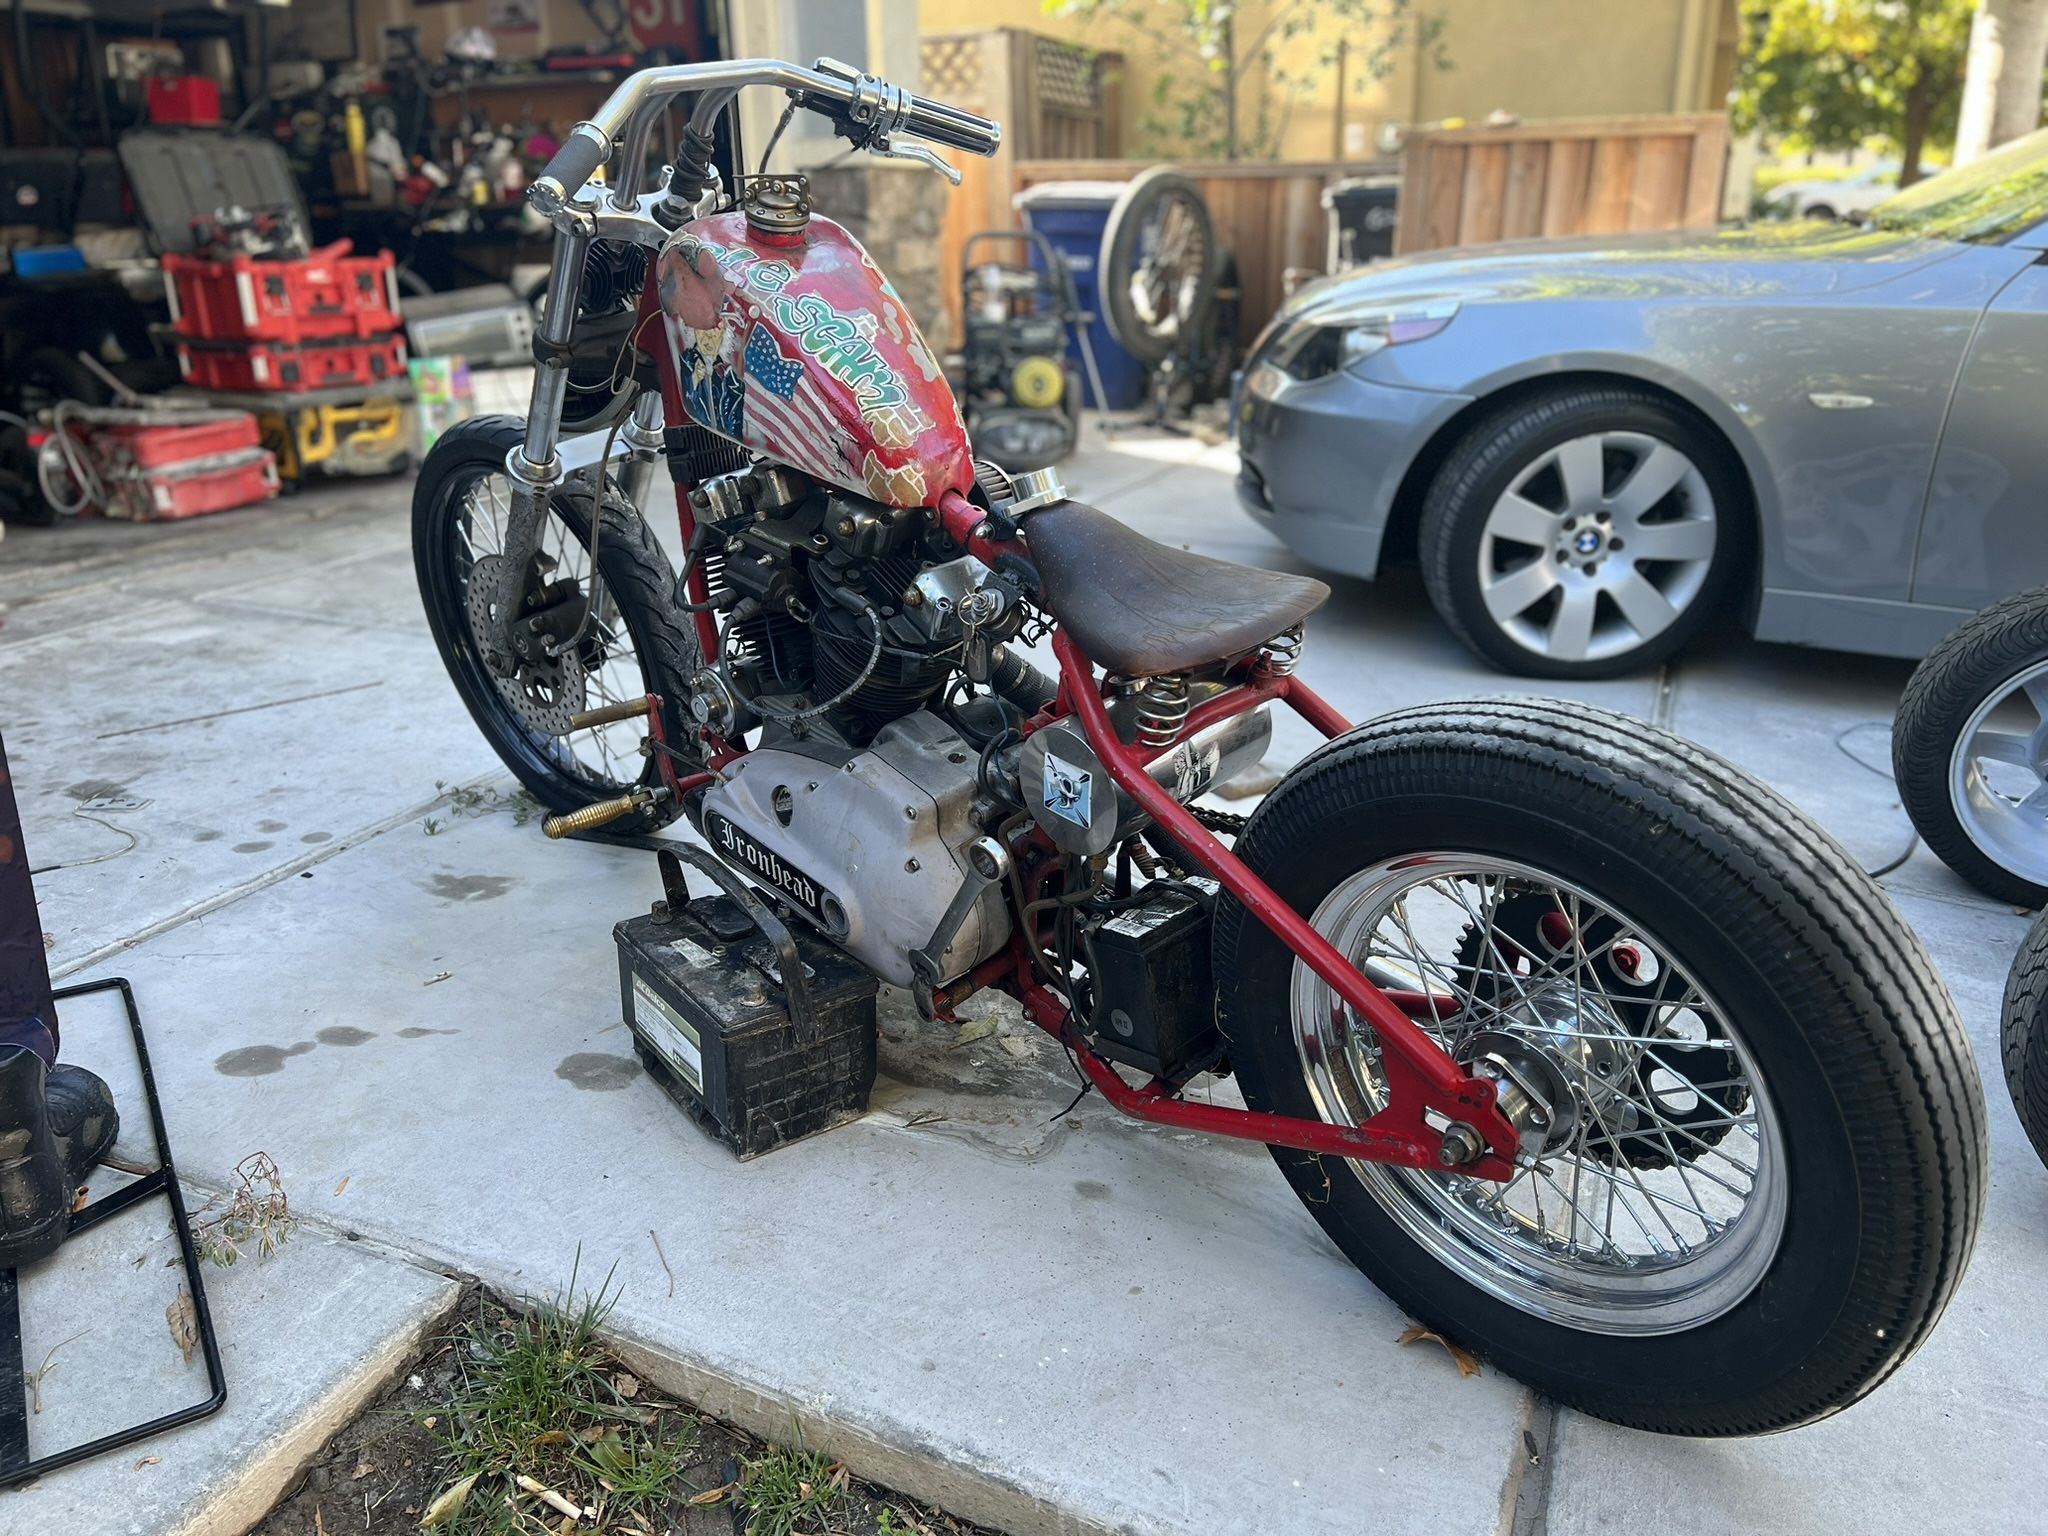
x,y
704,998
1155,1001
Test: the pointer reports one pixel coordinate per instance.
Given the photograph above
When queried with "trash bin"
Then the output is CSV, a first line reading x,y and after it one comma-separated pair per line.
x,y
1363,212
1072,215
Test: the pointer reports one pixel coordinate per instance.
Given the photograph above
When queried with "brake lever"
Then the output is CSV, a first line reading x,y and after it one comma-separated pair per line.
x,y
917,154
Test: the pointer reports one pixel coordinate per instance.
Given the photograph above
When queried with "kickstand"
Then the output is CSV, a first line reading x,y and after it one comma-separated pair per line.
x,y
803,1018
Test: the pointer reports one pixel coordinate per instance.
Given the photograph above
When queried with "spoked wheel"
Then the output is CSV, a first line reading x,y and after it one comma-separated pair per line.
x,y
1158,266
611,640
1970,749
1659,1198
1753,1133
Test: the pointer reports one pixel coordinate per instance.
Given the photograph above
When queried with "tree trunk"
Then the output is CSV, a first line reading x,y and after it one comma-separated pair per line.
x,y
1913,136
2002,89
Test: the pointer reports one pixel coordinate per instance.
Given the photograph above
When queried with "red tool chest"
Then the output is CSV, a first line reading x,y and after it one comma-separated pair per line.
x,y
175,469
277,366
246,298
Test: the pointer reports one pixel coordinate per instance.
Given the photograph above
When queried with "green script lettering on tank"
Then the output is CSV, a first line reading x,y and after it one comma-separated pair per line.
x,y
823,332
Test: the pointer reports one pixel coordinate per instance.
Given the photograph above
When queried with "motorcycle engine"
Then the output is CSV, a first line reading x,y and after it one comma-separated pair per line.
x,y
859,804
871,791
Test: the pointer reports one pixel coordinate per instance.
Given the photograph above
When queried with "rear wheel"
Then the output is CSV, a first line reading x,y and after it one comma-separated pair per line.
x,y
1761,1163
636,641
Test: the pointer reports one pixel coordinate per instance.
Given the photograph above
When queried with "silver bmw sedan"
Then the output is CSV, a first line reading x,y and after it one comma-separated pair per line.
x,y
1837,434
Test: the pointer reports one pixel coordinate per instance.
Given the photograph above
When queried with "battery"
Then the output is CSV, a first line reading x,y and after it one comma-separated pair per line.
x,y
703,995
1155,1002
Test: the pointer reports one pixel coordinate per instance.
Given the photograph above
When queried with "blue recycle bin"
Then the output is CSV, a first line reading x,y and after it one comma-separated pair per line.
x,y
1072,215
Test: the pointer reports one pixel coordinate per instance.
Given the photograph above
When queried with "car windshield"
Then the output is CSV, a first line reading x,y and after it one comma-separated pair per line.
x,y
1987,200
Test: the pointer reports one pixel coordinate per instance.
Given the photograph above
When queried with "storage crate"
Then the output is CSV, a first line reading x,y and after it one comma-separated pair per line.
x,y
248,298
182,99
216,483
262,365
168,446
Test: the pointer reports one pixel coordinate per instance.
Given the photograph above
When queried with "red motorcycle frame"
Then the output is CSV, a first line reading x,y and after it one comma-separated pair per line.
x,y
1423,1081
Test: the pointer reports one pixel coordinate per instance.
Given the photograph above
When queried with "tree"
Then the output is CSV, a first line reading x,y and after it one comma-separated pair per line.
x,y
1229,73
2002,86
1837,72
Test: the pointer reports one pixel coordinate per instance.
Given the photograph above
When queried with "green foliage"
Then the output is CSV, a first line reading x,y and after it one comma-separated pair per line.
x,y
538,1394
1832,74
1229,74
788,1489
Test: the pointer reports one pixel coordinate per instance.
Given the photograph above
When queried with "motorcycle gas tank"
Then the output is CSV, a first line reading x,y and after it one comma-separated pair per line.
x,y
798,347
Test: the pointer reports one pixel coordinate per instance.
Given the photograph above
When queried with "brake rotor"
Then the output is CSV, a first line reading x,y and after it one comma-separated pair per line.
x,y
1622,1058
544,689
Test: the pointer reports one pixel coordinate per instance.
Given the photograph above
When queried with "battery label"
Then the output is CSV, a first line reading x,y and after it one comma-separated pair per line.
x,y
669,1033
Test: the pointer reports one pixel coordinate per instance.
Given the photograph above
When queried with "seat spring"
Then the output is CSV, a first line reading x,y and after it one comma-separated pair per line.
x,y
1282,654
1163,706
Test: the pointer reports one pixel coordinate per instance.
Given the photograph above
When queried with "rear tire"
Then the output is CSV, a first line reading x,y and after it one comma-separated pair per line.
x,y
1986,657
2023,1035
640,583
1862,1075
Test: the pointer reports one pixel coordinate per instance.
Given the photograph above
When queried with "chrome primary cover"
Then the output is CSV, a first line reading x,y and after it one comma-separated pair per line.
x,y
872,846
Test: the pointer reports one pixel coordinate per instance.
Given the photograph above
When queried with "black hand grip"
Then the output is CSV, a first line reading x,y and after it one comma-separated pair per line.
x,y
577,161
941,124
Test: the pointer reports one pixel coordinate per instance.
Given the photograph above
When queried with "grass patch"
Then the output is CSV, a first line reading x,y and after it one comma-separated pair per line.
x,y
519,1422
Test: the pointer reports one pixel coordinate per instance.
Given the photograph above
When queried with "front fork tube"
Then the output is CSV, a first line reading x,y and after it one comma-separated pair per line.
x,y
641,436
533,466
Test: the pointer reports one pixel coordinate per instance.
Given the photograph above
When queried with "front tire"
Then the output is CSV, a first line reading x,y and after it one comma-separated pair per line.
x,y
638,642
1584,531
1749,938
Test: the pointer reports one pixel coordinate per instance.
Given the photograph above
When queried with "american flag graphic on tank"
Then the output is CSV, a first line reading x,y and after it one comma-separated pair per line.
x,y
788,414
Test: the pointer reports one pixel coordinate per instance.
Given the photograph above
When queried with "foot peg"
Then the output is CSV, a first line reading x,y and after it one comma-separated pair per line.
x,y
604,812
608,714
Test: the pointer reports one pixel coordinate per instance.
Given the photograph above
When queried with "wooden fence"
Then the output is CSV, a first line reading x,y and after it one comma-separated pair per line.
x,y
1469,186
1052,98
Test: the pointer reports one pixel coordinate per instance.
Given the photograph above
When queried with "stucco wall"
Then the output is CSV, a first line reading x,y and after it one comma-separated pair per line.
x,y
1534,58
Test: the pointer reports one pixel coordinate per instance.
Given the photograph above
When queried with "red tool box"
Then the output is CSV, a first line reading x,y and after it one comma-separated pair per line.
x,y
182,99
164,464
261,365
219,483
246,298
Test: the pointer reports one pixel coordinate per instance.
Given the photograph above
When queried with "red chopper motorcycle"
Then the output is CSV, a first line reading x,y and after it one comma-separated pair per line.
x,y
1588,1049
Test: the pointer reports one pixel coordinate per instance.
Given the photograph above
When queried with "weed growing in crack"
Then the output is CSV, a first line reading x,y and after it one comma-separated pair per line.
x,y
256,1212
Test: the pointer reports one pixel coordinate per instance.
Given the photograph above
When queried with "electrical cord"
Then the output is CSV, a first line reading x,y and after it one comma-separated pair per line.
x,y
1913,838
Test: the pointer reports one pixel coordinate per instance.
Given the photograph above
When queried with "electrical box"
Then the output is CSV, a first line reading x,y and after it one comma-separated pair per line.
x,y
1155,999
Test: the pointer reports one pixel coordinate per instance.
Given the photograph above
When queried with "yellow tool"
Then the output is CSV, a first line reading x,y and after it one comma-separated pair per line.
x,y
366,438
1037,382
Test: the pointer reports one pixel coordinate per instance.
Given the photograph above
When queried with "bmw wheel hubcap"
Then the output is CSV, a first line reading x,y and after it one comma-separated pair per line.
x,y
1597,547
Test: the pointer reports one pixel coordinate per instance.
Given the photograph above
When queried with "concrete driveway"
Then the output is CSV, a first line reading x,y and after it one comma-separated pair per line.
x,y
1075,1326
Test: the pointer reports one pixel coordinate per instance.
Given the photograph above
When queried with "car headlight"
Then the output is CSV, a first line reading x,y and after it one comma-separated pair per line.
x,y
1318,345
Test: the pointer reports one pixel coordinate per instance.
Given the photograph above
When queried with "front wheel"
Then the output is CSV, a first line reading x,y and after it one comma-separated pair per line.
x,y
1583,531
635,642
1761,1159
